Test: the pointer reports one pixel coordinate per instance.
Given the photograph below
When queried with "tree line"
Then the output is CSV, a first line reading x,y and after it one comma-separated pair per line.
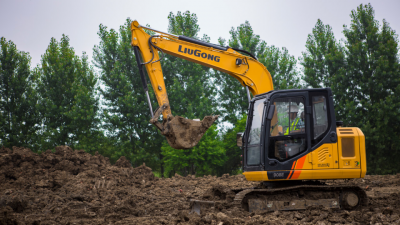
x,y
64,101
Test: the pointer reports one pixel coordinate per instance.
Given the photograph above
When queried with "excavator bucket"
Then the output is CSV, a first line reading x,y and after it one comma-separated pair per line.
x,y
182,133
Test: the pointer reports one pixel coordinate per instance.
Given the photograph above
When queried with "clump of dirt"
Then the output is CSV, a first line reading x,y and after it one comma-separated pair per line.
x,y
182,133
71,186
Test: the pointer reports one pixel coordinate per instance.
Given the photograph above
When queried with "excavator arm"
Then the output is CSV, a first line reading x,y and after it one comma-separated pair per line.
x,y
183,133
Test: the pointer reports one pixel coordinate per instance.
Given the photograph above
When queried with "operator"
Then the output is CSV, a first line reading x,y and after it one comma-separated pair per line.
x,y
297,123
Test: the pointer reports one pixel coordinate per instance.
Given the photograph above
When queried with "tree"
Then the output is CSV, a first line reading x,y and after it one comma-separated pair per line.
x,y
280,64
67,105
18,116
282,67
233,153
190,86
324,57
364,76
205,158
324,61
232,95
370,87
125,115
191,94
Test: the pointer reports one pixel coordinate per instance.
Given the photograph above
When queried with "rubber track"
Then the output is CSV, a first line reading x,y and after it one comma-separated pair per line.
x,y
333,188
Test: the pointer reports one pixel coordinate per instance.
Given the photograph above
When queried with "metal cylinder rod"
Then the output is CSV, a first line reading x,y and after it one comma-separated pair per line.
x,y
148,101
248,93
148,28
142,77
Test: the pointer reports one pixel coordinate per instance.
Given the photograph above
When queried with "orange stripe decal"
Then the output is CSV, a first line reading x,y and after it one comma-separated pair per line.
x,y
294,163
296,174
288,177
300,163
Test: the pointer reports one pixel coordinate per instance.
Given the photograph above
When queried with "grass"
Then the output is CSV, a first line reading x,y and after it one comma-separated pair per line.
x,y
157,174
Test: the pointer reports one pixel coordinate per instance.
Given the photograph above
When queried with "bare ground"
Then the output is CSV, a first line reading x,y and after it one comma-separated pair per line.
x,y
74,187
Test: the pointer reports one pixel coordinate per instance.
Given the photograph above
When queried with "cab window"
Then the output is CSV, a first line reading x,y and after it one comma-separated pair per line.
x,y
288,117
287,129
320,115
253,142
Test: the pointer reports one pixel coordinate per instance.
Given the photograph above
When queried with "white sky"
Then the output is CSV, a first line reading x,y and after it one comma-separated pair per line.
x,y
31,23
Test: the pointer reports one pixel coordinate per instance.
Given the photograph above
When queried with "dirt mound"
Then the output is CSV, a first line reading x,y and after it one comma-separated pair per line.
x,y
71,186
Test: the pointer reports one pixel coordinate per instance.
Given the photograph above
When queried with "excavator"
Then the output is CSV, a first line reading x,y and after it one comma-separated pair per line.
x,y
291,143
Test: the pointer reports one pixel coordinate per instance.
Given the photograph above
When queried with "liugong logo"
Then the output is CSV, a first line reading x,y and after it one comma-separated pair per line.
x,y
199,54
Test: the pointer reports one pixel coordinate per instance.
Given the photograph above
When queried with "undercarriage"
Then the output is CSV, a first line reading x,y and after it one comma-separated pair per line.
x,y
296,195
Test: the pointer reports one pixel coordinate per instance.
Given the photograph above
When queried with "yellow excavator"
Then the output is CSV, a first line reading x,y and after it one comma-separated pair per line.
x,y
292,140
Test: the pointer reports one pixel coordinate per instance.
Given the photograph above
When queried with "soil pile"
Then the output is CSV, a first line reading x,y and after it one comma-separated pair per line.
x,y
73,187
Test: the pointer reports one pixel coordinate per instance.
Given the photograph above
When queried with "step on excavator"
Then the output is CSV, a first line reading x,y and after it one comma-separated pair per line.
x,y
292,142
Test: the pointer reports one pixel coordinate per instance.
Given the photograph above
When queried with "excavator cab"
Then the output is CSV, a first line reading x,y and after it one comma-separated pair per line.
x,y
291,140
277,133
291,133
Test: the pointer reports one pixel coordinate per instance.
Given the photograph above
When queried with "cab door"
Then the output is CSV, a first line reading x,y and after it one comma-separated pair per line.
x,y
288,131
253,154
325,155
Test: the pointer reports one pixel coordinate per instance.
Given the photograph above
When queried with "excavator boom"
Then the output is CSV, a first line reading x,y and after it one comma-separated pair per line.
x,y
182,133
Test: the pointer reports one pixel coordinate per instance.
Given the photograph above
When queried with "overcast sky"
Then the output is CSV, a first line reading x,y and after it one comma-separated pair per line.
x,y
31,24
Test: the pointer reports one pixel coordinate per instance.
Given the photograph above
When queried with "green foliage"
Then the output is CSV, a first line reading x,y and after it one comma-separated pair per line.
x,y
125,115
157,174
324,57
191,91
280,64
191,94
18,115
232,95
371,97
68,104
200,160
282,67
233,162
364,76
57,103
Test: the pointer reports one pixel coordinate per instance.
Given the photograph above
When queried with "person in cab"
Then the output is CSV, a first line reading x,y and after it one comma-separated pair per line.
x,y
296,123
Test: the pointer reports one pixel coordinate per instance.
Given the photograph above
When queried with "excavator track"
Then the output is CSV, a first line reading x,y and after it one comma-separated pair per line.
x,y
300,197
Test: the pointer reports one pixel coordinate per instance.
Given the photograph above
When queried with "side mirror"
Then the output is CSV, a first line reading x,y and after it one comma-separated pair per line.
x,y
239,137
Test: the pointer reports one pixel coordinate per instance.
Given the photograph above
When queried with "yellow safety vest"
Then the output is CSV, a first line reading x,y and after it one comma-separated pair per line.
x,y
293,126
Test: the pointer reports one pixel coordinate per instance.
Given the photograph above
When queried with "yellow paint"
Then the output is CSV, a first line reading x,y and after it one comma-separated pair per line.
x,y
327,174
325,157
307,165
335,155
363,153
340,167
256,176
351,133
140,39
330,174
254,75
